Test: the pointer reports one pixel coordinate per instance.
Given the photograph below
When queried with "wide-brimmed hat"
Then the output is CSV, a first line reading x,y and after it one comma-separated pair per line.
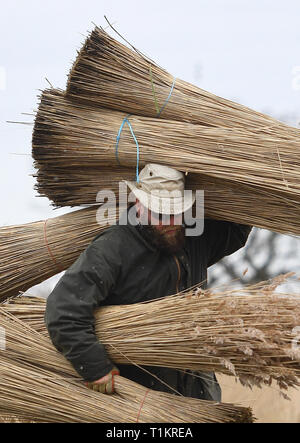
x,y
161,189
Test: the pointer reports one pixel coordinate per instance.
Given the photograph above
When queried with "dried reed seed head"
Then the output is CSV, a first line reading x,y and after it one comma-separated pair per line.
x,y
237,344
30,384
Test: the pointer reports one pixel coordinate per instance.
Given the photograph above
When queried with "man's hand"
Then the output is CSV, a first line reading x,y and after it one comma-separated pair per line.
x,y
105,385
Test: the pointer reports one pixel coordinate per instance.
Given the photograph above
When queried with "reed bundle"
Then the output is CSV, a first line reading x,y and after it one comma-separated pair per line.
x,y
52,245
69,136
33,252
248,333
109,74
37,382
223,200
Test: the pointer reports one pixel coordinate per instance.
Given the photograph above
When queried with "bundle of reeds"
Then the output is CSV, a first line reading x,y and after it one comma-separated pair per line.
x,y
37,382
248,333
223,200
33,252
69,135
106,73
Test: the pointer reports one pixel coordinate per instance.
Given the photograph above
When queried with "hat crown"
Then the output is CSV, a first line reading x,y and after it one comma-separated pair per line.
x,y
161,189
161,180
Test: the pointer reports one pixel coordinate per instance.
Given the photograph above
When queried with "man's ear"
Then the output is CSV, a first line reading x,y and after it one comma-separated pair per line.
x,y
141,211
138,206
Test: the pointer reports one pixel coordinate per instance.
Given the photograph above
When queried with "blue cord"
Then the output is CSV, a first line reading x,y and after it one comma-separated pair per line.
x,y
166,102
118,139
137,151
133,135
136,142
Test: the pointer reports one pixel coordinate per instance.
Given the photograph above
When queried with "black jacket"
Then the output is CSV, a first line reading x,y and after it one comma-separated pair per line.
x,y
121,267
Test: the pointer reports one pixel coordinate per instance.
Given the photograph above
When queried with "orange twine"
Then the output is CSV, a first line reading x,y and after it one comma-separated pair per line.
x,y
142,404
48,247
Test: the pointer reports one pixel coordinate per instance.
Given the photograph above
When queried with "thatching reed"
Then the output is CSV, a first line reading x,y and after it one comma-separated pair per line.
x,y
223,200
33,252
108,74
52,245
248,333
68,136
36,381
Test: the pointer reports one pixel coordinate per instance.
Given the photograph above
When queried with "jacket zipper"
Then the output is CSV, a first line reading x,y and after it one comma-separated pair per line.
x,y
179,273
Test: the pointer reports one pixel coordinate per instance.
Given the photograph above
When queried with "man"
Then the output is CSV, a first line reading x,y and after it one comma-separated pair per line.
x,y
133,263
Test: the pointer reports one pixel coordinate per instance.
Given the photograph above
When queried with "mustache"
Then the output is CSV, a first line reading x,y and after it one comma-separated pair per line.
x,y
171,229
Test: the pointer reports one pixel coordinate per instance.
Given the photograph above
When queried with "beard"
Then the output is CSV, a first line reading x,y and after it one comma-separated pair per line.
x,y
168,240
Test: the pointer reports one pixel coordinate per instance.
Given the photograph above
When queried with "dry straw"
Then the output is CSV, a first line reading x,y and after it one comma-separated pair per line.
x,y
69,136
38,384
108,74
52,245
33,252
223,200
248,333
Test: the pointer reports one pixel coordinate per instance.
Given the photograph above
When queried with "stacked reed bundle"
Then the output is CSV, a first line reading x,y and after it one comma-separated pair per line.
x,y
248,333
51,246
33,252
108,74
36,381
223,200
68,135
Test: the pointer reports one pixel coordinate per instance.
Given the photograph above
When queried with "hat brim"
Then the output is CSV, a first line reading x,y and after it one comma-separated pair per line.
x,y
162,205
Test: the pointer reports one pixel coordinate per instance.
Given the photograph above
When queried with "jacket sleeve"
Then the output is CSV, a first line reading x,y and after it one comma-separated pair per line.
x,y
223,238
70,307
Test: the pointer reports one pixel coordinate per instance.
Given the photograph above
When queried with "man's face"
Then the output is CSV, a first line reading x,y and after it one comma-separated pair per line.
x,y
166,233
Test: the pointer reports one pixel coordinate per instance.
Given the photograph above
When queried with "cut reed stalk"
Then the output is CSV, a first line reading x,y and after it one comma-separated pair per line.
x,y
248,333
36,381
